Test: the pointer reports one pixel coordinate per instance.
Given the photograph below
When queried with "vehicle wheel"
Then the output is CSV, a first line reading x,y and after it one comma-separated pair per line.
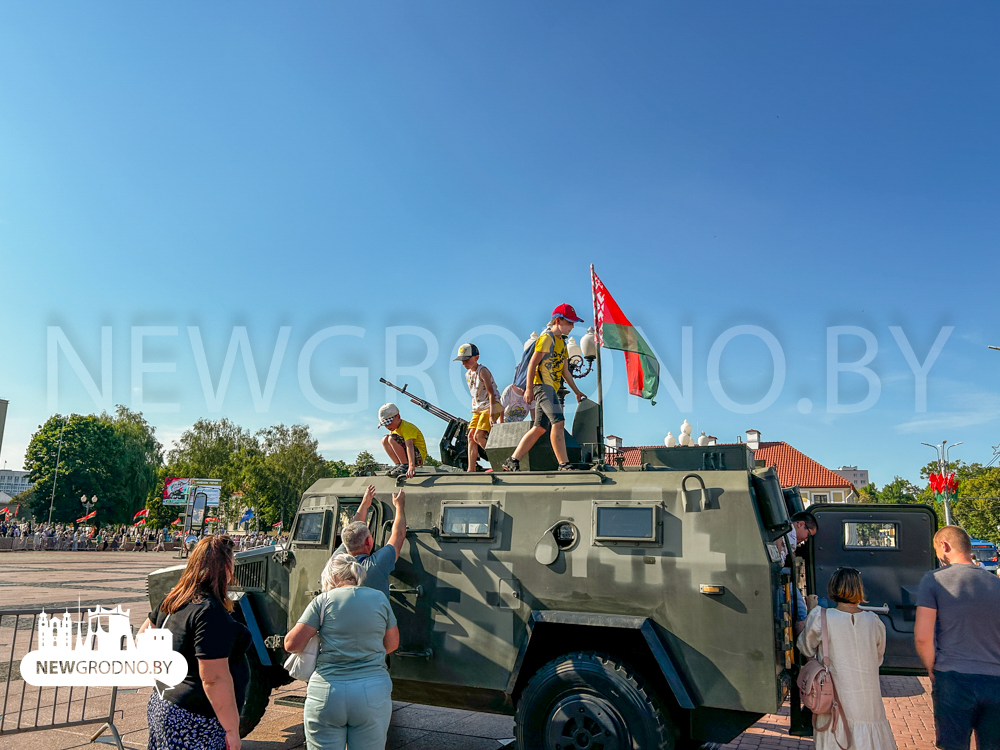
x,y
258,695
590,701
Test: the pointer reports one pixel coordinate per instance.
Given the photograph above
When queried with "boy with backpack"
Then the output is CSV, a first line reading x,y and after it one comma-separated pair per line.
x,y
547,370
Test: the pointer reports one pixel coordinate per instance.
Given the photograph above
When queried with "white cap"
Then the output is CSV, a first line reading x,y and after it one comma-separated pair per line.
x,y
387,413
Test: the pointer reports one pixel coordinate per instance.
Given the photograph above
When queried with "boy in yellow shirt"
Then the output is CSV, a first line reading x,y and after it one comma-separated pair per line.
x,y
547,370
404,443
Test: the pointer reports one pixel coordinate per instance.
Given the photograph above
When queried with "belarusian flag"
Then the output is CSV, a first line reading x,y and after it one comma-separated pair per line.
x,y
144,512
87,517
615,331
276,525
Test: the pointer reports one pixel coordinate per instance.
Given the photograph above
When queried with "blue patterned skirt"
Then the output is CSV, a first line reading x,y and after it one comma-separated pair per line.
x,y
174,728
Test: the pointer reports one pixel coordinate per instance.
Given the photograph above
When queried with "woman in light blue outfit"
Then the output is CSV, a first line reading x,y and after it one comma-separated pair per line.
x,y
348,701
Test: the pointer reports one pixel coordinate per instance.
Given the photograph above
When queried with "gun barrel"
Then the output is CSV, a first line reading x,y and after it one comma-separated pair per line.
x,y
424,404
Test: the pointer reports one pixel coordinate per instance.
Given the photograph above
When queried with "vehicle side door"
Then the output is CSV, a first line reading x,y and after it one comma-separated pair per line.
x,y
892,547
311,542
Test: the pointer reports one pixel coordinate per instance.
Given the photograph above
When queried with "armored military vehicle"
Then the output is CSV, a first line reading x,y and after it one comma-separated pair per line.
x,y
609,607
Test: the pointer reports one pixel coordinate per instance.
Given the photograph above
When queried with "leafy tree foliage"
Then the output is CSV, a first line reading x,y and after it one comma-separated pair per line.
x,y
899,490
364,465
977,508
114,458
267,471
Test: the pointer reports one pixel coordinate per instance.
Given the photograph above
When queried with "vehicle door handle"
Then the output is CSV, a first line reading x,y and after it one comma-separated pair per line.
x,y
883,610
419,590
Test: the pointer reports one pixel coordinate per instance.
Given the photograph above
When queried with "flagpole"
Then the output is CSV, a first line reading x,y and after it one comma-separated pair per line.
x,y
600,384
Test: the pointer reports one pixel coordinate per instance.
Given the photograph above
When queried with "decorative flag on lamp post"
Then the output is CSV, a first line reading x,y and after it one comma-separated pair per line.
x,y
943,485
87,517
614,331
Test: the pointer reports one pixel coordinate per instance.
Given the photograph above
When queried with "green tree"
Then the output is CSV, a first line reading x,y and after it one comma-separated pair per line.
x,y
88,465
139,456
963,473
868,494
218,449
364,465
899,490
977,508
292,463
159,515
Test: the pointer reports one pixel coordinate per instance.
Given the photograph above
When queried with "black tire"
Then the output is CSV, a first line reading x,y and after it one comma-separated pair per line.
x,y
593,701
258,695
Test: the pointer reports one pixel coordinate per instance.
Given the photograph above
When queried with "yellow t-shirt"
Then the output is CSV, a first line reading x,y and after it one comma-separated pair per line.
x,y
549,371
409,431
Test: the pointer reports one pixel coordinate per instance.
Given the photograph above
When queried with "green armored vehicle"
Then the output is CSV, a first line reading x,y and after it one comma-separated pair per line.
x,y
610,607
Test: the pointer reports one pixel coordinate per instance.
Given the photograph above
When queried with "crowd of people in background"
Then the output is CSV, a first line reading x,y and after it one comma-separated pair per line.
x,y
67,537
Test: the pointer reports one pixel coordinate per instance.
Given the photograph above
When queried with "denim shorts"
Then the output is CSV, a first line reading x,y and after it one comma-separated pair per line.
x,y
963,703
548,410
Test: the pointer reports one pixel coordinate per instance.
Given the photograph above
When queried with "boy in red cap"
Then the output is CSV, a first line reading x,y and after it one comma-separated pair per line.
x,y
547,370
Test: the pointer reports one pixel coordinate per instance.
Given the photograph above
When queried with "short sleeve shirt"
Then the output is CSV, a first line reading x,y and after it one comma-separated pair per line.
x,y
378,566
355,619
409,431
205,630
967,627
549,371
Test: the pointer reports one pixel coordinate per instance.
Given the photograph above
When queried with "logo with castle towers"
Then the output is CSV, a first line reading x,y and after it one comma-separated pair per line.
x,y
99,651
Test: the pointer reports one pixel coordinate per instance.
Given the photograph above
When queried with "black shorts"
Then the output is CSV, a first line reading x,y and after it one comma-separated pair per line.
x,y
548,410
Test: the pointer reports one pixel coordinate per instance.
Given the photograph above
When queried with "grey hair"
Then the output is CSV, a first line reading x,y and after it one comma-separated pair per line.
x,y
353,536
342,570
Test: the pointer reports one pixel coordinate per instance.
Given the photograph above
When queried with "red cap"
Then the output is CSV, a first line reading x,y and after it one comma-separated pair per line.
x,y
567,311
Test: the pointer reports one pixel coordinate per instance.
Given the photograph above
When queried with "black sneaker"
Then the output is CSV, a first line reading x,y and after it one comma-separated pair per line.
x,y
398,470
566,467
512,464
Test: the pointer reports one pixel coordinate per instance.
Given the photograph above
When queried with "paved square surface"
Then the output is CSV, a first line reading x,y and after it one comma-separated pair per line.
x,y
58,579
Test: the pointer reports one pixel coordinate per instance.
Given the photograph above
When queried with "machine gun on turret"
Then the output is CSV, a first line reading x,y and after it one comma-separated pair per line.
x,y
455,442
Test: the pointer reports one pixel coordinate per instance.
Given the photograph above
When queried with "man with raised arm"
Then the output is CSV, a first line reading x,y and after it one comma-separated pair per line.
x,y
357,540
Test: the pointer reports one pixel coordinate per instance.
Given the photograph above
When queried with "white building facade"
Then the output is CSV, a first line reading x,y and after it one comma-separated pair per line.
x,y
14,482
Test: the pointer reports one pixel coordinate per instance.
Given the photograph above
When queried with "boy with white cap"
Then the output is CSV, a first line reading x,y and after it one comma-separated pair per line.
x,y
485,401
548,368
404,443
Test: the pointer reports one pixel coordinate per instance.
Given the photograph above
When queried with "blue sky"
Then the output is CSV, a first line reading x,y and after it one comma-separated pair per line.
x,y
444,166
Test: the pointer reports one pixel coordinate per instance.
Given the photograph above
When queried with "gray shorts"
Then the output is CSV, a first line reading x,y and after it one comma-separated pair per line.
x,y
548,410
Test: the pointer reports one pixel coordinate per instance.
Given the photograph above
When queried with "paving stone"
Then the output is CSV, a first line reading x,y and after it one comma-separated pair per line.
x,y
55,579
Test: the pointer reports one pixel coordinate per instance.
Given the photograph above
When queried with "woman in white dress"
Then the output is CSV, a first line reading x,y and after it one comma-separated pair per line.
x,y
855,649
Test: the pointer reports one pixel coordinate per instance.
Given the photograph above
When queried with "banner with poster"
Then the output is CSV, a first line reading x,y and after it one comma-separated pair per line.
x,y
177,490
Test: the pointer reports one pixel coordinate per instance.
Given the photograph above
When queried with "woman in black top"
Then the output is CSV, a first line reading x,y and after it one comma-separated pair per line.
x,y
202,712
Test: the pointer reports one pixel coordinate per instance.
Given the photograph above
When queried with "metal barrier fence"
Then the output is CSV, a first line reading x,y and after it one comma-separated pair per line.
x,y
26,708
28,544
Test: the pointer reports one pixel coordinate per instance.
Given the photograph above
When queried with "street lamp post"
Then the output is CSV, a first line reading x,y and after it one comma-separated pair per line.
x,y
943,451
55,477
88,504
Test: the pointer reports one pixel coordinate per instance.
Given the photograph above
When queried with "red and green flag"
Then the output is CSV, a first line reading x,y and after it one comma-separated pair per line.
x,y
615,331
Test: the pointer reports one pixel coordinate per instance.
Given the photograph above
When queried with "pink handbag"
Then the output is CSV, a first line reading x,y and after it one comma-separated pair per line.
x,y
818,692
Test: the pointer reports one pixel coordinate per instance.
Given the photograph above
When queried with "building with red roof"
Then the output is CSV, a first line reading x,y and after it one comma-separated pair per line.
x,y
817,483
